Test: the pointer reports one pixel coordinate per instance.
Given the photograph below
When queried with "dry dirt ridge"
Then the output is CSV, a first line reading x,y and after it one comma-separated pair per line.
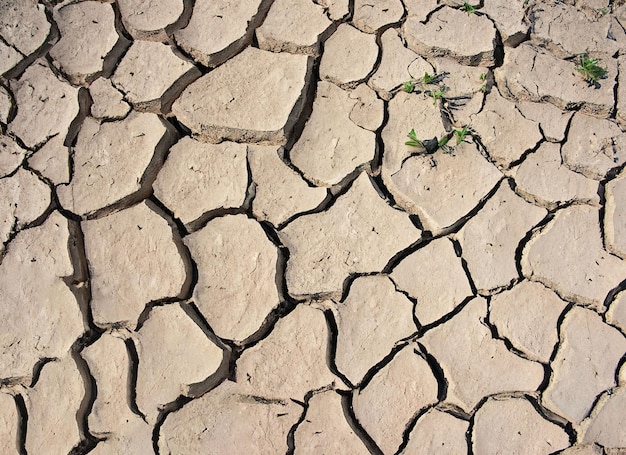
x,y
214,238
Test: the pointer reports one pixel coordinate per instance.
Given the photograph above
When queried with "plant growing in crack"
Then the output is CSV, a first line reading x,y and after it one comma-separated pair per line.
x,y
437,95
432,145
468,8
460,134
419,84
424,84
590,70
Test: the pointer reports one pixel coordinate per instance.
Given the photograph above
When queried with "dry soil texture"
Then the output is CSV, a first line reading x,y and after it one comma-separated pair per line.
x,y
214,237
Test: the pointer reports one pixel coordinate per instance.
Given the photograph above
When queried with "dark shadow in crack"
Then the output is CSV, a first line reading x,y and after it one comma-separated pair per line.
x,y
353,422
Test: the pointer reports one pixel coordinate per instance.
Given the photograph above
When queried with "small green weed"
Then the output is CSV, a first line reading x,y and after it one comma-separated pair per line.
x,y
432,145
413,84
414,142
590,70
460,134
437,95
469,9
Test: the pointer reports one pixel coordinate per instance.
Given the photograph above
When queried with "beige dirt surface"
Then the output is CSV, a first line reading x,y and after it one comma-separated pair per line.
x,y
326,227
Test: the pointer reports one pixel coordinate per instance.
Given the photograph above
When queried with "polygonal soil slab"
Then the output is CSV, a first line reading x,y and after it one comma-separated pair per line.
x,y
9,58
11,155
23,25
77,54
332,145
371,16
552,120
256,96
343,64
616,314
280,192
198,177
229,421
581,270
594,147
504,132
397,393
435,278
336,9
394,64
607,425
111,416
514,426
467,38
52,161
545,180
370,321
528,315
46,105
167,367
150,21
150,74
532,74
52,405
293,26
358,234
115,163
41,317
291,361
474,363
133,260
584,365
325,429
509,19
236,286
437,433
490,239
552,27
23,199
218,30
107,101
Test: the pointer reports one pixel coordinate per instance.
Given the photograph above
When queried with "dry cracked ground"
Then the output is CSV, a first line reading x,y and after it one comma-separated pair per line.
x,y
214,238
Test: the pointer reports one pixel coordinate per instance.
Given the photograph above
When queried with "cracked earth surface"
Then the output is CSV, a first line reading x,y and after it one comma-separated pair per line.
x,y
214,238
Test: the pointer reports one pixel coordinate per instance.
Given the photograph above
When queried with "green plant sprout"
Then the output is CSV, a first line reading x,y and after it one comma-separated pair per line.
x,y
590,70
469,9
428,79
483,79
410,85
460,134
432,145
437,95
414,142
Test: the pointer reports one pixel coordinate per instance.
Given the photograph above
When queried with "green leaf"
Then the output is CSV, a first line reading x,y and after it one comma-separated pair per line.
x,y
414,142
469,9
